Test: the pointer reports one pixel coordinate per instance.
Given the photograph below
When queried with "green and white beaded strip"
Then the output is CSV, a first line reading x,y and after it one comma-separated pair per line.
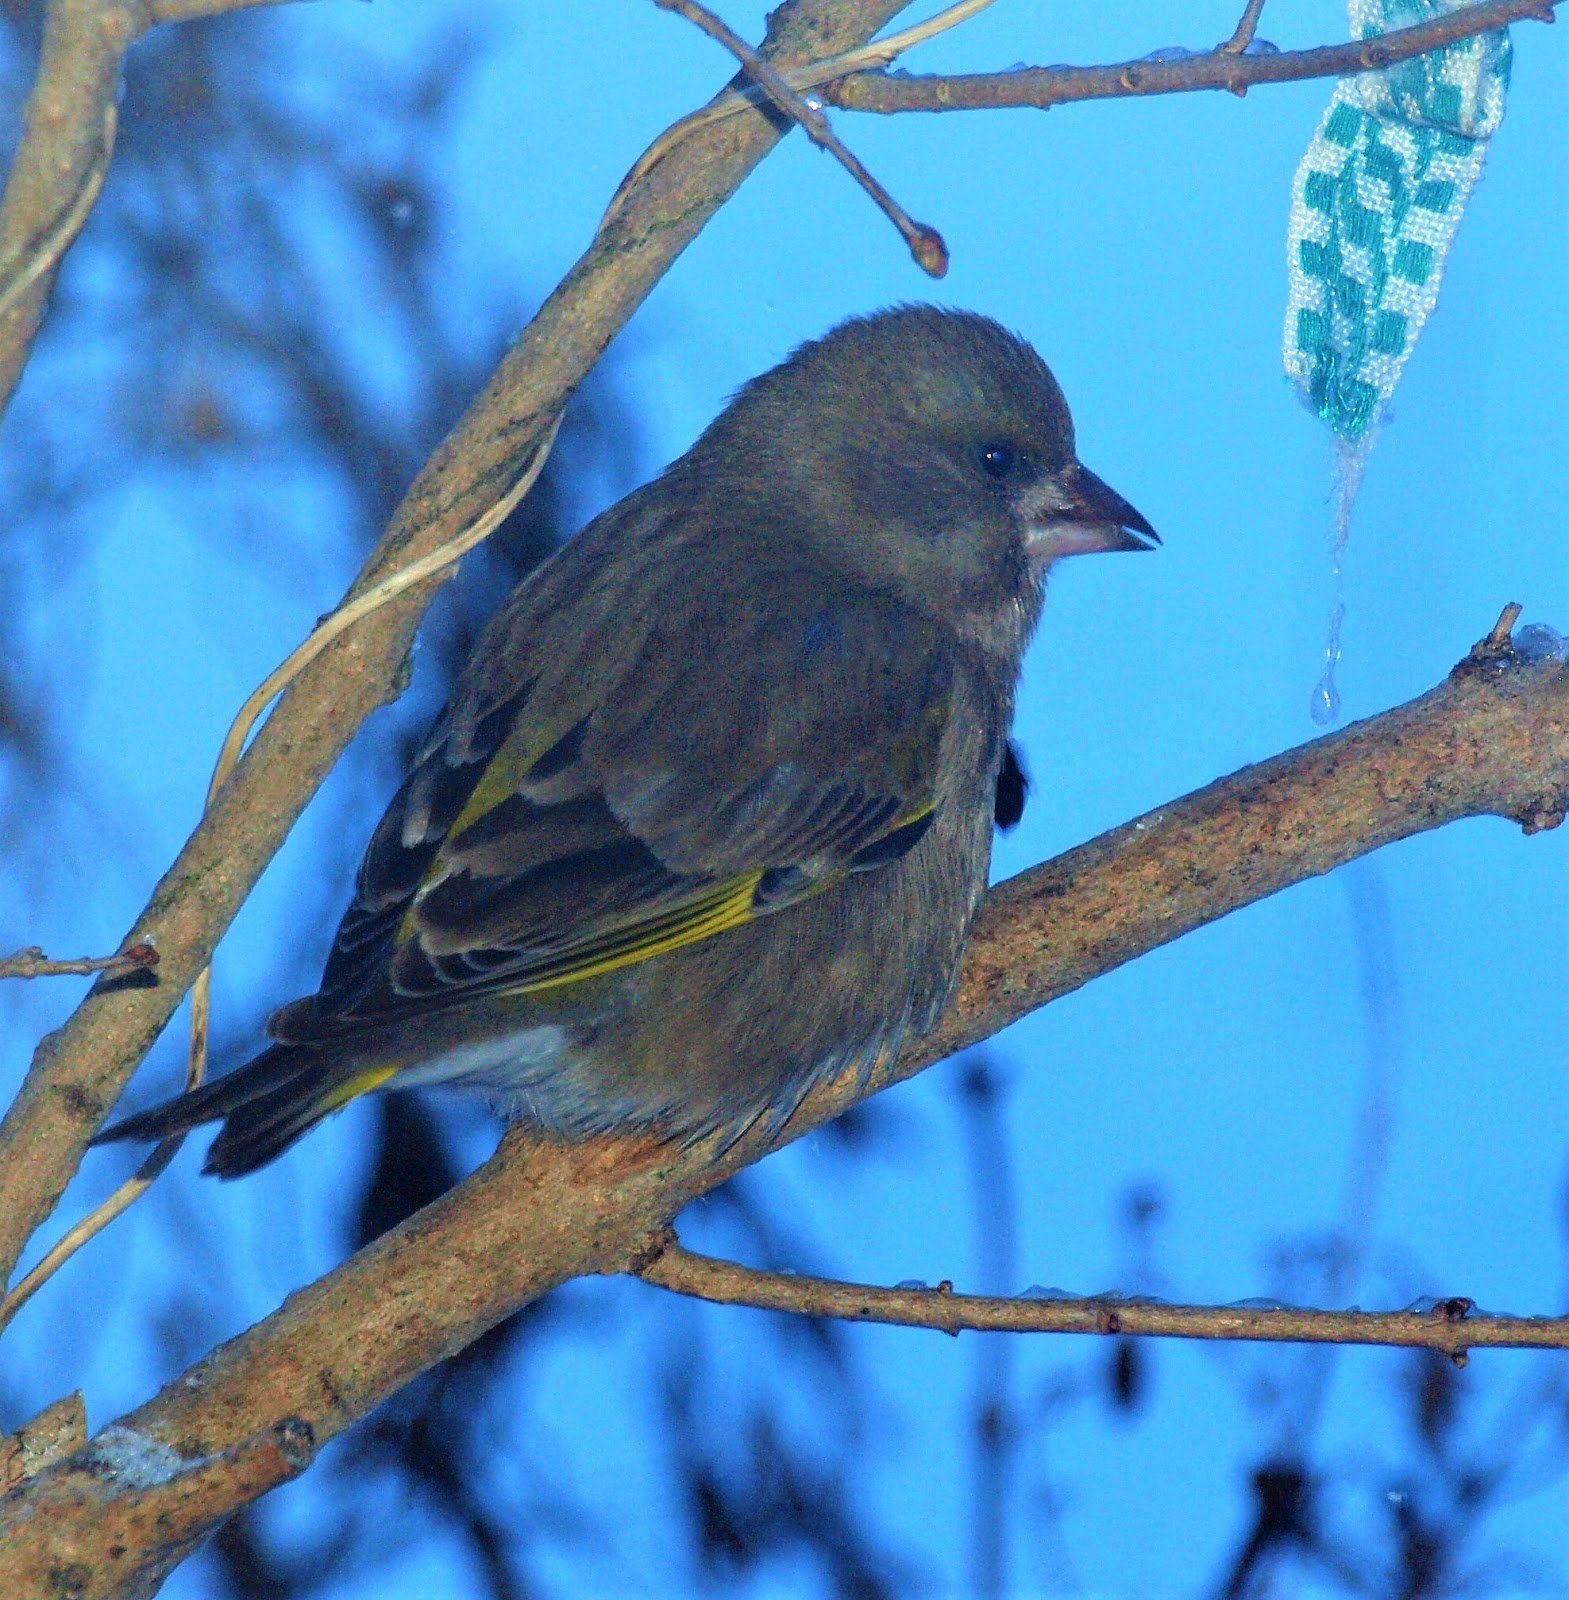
x,y
1374,208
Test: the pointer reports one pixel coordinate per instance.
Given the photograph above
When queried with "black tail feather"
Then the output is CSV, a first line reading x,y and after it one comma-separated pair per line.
x,y
265,1106
260,1129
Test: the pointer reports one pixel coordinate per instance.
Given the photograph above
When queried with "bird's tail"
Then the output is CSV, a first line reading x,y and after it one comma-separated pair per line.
x,y
264,1106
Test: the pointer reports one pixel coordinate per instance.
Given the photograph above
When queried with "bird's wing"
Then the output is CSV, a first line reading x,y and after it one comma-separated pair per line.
x,y
760,742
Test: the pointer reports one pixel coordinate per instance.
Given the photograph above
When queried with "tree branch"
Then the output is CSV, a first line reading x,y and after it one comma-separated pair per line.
x,y
1450,1326
1493,739
68,128
1221,68
125,1510
79,1071
67,139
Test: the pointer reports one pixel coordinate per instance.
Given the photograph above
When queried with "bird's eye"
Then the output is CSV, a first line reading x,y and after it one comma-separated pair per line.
x,y
998,459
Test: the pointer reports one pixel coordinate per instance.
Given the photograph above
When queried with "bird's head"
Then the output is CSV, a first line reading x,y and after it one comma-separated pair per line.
x,y
922,450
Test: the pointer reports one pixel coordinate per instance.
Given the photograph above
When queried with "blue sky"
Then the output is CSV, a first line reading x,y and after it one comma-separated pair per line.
x,y
1141,247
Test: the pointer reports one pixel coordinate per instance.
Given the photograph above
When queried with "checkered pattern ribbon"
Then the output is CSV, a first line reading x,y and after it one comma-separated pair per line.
x,y
1374,208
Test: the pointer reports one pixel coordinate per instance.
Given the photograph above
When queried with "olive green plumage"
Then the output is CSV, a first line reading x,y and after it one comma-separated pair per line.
x,y
709,811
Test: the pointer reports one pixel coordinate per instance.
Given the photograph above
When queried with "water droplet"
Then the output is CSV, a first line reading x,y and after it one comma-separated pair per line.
x,y
1350,463
1324,706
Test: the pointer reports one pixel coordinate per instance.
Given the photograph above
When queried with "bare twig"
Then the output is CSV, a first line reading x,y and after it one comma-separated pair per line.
x,y
123,1198
440,563
925,243
856,85
1043,87
733,101
1450,1326
1492,739
33,963
1237,44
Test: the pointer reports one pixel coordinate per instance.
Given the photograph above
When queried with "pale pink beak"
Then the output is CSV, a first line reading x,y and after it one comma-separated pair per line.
x,y
1072,513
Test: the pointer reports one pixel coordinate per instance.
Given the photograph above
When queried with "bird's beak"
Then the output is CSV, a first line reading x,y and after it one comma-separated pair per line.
x,y
1072,513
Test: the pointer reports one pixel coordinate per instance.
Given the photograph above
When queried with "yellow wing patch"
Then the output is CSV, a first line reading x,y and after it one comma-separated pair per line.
x,y
638,939
360,1083
725,907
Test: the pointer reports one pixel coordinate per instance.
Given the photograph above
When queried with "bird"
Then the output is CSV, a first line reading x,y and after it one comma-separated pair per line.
x,y
709,811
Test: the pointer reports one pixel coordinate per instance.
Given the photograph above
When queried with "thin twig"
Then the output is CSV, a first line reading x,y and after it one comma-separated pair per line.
x,y
1238,43
1449,1326
438,561
857,84
926,244
880,53
33,963
1044,87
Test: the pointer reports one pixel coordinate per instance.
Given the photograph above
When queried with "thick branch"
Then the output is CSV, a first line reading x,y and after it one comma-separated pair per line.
x,y
126,1510
1449,1326
1221,68
79,1071
1492,740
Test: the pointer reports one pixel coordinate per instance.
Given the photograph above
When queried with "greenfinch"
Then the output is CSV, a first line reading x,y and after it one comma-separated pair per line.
x,y
709,812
